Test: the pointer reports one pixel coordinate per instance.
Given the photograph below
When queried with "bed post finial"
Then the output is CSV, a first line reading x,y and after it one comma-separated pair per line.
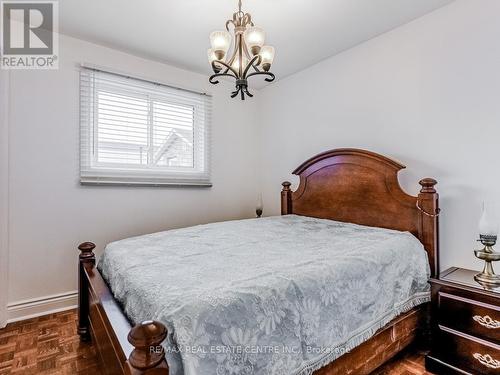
x,y
87,251
428,205
286,198
85,260
428,185
148,353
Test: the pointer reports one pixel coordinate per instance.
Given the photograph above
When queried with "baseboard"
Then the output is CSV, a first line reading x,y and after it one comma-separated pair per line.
x,y
31,308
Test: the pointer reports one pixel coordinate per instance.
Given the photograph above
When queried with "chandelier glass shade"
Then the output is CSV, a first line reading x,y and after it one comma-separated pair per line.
x,y
248,57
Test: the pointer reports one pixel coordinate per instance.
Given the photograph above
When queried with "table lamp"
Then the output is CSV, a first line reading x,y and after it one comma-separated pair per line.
x,y
488,232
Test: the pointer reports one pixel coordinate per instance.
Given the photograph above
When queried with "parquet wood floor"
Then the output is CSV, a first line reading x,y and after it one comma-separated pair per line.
x,y
410,362
50,345
46,345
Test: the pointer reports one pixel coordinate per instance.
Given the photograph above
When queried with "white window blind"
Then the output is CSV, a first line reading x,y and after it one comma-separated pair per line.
x,y
139,132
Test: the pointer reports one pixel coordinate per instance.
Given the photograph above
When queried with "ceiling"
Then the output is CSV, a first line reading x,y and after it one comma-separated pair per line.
x,y
303,32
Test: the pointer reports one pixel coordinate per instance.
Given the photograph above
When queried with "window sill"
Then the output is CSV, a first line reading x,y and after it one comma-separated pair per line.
x,y
90,182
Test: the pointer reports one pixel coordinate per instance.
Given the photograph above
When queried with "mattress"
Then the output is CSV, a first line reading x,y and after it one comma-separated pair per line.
x,y
275,295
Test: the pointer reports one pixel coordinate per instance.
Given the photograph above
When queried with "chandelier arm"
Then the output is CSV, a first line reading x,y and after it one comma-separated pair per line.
x,y
256,68
224,72
238,17
240,55
248,93
233,56
269,79
231,60
245,49
250,64
247,19
228,22
234,93
229,67
217,75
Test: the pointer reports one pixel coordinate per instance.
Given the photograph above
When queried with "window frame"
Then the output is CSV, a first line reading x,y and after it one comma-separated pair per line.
x,y
95,172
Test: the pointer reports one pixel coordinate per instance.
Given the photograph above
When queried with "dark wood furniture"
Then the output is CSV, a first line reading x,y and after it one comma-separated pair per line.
x,y
348,185
465,325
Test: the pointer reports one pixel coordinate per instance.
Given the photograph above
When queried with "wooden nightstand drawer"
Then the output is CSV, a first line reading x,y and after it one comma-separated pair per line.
x,y
475,318
468,353
465,315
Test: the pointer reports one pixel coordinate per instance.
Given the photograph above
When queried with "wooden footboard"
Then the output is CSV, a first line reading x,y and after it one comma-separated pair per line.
x,y
122,349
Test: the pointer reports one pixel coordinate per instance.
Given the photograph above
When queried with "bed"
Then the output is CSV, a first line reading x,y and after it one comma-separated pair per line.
x,y
304,280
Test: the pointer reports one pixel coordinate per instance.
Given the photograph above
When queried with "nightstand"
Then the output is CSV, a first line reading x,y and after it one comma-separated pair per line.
x,y
465,325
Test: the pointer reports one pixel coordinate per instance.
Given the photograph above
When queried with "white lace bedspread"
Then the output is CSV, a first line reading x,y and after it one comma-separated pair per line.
x,y
277,295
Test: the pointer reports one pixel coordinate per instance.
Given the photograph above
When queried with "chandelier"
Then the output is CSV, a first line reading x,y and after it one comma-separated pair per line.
x,y
249,56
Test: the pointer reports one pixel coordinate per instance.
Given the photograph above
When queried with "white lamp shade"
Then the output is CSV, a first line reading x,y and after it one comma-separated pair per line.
x,y
255,37
211,55
220,41
488,224
267,55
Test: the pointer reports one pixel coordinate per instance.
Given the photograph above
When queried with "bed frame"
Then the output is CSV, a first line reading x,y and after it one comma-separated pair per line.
x,y
348,185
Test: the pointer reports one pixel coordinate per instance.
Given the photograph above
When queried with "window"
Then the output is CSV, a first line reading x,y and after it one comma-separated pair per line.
x,y
139,132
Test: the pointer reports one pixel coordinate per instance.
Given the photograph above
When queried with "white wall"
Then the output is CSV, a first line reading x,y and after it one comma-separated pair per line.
x,y
427,94
50,213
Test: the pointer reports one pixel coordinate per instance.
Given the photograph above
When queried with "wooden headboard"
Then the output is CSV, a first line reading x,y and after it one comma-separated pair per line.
x,y
362,187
